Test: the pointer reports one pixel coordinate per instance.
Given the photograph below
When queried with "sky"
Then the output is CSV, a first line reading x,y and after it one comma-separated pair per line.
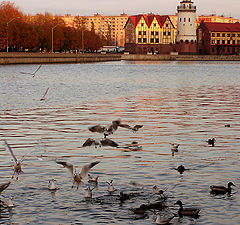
x,y
130,7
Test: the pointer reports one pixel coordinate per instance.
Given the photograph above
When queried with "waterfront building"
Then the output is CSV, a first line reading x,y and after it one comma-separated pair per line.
x,y
149,34
218,38
110,27
186,37
216,19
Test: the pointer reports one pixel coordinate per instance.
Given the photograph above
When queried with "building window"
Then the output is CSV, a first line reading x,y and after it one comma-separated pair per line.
x,y
234,42
157,40
184,20
234,35
154,24
166,25
223,42
139,40
142,24
223,34
164,33
229,42
169,33
238,42
144,40
218,41
180,19
152,40
229,35
140,33
152,32
144,32
213,42
189,19
218,34
238,35
213,34
157,33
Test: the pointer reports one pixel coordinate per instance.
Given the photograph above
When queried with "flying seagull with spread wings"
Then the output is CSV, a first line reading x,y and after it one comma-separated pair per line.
x,y
34,73
78,177
17,167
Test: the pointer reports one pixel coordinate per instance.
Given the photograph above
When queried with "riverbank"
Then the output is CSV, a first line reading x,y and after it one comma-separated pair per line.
x,y
169,57
44,58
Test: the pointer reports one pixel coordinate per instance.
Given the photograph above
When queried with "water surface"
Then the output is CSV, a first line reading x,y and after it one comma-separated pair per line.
x,y
176,102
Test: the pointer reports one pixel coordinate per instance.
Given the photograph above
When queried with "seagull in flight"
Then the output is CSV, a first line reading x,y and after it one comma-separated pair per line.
x,y
108,130
17,166
100,143
44,96
78,177
34,73
4,186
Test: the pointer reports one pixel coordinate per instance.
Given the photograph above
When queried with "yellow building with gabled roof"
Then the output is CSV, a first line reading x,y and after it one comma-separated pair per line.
x,y
149,33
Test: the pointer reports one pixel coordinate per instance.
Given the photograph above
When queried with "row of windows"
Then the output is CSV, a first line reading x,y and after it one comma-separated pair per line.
x,y
185,19
144,40
142,24
226,42
156,33
228,49
224,35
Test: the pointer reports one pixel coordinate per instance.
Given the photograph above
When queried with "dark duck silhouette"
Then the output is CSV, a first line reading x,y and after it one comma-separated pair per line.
x,y
211,142
221,189
187,211
181,169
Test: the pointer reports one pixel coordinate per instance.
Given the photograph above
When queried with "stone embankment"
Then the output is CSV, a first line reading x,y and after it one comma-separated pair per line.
x,y
169,57
43,58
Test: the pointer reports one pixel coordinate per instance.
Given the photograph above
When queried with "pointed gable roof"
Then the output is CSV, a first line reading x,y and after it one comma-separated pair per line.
x,y
149,19
136,19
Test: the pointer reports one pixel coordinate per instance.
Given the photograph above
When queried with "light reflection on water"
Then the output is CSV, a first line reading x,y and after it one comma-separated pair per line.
x,y
177,102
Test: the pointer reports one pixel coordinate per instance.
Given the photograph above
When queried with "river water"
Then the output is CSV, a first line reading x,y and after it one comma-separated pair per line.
x,y
176,102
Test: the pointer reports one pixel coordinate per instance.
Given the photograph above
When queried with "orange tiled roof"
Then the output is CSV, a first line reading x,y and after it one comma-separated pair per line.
x,y
223,27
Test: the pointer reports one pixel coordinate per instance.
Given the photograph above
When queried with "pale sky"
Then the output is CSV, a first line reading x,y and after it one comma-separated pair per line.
x,y
130,7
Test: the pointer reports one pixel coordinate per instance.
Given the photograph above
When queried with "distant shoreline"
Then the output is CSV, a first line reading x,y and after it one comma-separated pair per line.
x,y
44,58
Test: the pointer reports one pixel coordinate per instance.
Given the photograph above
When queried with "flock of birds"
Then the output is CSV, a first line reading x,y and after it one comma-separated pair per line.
x,y
79,177
43,98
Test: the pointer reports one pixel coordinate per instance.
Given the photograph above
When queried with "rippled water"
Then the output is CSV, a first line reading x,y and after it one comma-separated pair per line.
x,y
185,103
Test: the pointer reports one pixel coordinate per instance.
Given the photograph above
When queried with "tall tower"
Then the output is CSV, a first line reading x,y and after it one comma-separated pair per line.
x,y
186,25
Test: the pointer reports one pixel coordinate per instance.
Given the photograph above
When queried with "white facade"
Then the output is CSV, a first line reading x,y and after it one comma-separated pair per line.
x,y
186,25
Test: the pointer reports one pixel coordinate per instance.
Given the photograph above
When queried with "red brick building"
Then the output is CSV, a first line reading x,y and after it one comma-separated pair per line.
x,y
218,38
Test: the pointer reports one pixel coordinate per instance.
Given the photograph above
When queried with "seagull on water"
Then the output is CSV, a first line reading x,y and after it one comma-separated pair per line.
x,y
51,185
8,204
92,179
34,73
78,177
162,221
111,188
88,193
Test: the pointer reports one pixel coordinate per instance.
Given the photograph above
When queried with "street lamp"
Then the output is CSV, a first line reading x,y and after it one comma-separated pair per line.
x,y
7,28
52,33
82,40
